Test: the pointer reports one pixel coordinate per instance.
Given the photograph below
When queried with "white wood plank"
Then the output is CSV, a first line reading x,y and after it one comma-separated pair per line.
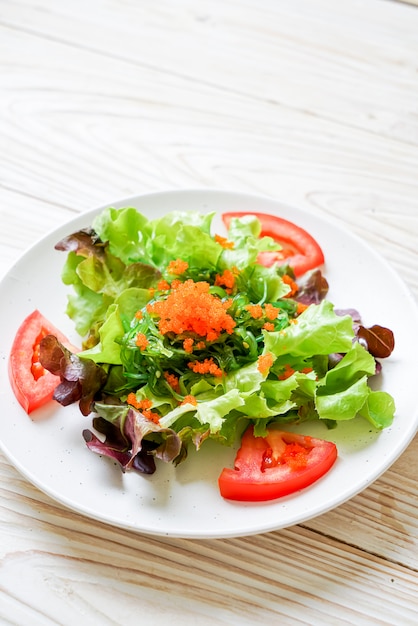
x,y
17,234
307,58
383,519
292,157
293,574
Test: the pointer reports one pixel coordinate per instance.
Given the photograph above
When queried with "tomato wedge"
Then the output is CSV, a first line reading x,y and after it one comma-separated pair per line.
x,y
300,250
33,386
270,467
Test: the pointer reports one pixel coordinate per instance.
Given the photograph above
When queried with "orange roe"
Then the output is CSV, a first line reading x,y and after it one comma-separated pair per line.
x,y
287,373
141,341
191,308
152,416
226,279
301,308
176,283
131,399
177,267
189,400
139,315
265,361
201,345
144,407
163,285
255,310
271,312
208,366
138,404
188,345
173,381
268,326
293,286
223,241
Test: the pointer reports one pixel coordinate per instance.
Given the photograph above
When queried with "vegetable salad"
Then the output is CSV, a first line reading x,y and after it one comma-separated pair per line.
x,y
188,336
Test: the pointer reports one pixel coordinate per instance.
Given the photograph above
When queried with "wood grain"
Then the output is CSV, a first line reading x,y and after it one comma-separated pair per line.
x,y
314,104
275,573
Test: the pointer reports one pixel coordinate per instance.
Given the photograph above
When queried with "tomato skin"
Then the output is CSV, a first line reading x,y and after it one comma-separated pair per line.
x,y
300,250
32,385
253,480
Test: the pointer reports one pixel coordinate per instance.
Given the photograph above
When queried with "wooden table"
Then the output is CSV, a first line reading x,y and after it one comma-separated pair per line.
x,y
311,103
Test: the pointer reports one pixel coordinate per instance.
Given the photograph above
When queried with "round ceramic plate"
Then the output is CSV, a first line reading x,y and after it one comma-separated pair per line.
x,y
185,501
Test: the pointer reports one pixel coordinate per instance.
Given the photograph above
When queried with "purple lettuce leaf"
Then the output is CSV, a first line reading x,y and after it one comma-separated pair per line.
x,y
132,439
106,449
380,341
81,379
137,427
377,340
84,242
313,288
116,449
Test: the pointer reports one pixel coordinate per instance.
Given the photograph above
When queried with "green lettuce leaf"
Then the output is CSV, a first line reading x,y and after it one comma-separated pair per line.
x,y
124,230
344,392
318,330
210,412
245,234
379,409
344,404
118,316
213,412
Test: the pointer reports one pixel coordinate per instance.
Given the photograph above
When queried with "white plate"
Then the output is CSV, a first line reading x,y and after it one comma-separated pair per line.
x,y
184,501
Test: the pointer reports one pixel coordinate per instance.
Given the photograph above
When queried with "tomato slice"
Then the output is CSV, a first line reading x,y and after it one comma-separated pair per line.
x,y
270,467
300,250
33,386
